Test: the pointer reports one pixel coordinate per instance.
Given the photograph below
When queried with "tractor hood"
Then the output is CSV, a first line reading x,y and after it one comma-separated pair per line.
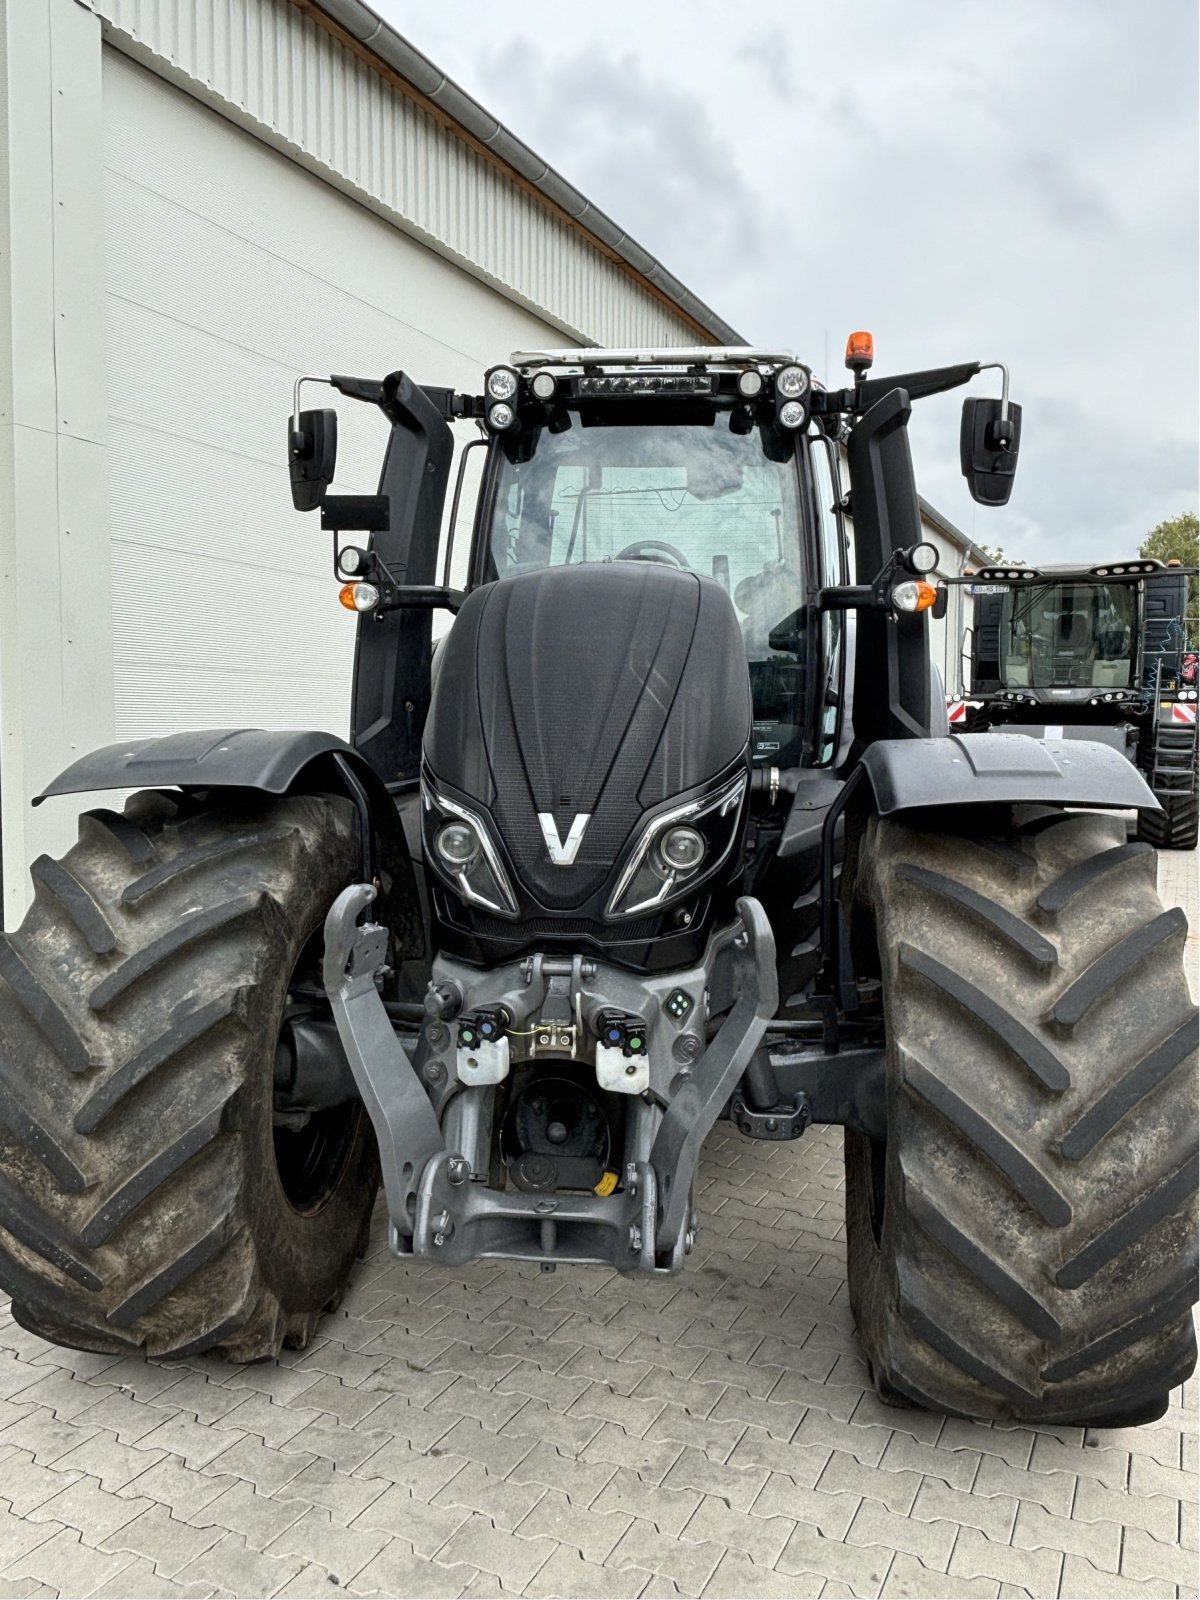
x,y
573,706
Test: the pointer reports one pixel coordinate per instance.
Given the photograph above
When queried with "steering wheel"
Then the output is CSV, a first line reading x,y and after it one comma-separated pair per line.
x,y
657,550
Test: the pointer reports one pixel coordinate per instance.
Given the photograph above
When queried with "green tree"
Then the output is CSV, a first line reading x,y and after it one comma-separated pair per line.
x,y
998,558
1177,539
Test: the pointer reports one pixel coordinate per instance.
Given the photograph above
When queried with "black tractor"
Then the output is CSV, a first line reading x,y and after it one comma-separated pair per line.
x,y
1097,653
617,856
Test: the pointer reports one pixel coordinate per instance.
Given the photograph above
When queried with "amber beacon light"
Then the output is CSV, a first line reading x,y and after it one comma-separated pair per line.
x,y
860,351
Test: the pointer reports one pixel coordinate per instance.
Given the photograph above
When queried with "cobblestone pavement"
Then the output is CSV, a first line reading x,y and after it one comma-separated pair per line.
x,y
505,1432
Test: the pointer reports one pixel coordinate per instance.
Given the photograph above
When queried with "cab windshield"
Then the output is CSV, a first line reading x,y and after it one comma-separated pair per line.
x,y
1069,635
694,496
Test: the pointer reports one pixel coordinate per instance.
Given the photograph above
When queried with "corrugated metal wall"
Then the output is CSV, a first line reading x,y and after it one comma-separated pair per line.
x,y
303,91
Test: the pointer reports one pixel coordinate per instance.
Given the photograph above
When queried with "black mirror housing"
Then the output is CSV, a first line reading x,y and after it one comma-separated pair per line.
x,y
791,635
988,449
312,456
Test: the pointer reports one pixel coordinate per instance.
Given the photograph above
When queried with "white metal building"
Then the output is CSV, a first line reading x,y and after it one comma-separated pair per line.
x,y
199,200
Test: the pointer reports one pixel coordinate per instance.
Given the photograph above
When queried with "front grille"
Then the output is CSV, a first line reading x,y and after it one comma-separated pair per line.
x,y
564,928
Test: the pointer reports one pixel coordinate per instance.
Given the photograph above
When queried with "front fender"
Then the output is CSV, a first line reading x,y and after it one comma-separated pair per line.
x,y
1001,768
273,761
224,758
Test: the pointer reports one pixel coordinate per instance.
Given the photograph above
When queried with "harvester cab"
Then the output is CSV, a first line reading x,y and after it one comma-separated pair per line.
x,y
621,854
1098,653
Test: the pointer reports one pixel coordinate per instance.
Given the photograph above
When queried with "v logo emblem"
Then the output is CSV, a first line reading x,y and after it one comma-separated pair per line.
x,y
563,851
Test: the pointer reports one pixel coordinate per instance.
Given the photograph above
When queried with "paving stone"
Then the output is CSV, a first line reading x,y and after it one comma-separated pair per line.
x,y
863,1568
536,1421
163,1539
552,1468
1109,1467
991,1514
802,1462
1154,1514
89,1509
908,1577
782,1497
139,1581
954,1467
505,1501
976,1556
760,1537
1053,1490
1082,1581
739,1578
250,1459
842,1474
512,1559
779,1420
18,1535
1014,1446
400,1514
470,1439
688,1566
241,1509
342,1495
930,1542
397,1571
465,1398
667,1509
714,1436
104,1457
866,1443
65,1563
423,1472
737,1486
1144,1557
194,1441
179,1488
314,1537
333,1398
594,1534
568,1576
635,1416
45,1436
231,1565
651,1459
396,1419
1098,1542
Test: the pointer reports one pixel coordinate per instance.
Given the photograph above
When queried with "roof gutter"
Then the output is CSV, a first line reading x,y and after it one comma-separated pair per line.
x,y
426,83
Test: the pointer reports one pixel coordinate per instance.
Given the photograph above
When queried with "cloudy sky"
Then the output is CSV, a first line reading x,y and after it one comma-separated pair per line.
x,y
968,180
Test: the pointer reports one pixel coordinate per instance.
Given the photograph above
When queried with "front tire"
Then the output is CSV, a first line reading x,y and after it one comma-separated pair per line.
x,y
148,1199
1023,1245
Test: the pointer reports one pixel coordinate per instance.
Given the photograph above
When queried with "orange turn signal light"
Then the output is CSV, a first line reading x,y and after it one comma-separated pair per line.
x,y
346,596
860,351
914,594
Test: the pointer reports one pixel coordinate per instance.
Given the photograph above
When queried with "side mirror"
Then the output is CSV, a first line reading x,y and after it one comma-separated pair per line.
x,y
988,449
312,456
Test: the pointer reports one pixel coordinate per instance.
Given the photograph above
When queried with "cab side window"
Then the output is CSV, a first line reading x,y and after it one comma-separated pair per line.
x,y
833,571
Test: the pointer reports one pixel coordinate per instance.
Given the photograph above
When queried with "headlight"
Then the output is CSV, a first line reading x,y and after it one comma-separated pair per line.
x,y
460,848
501,383
922,557
682,849
791,382
501,416
677,850
543,385
457,844
750,383
791,414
